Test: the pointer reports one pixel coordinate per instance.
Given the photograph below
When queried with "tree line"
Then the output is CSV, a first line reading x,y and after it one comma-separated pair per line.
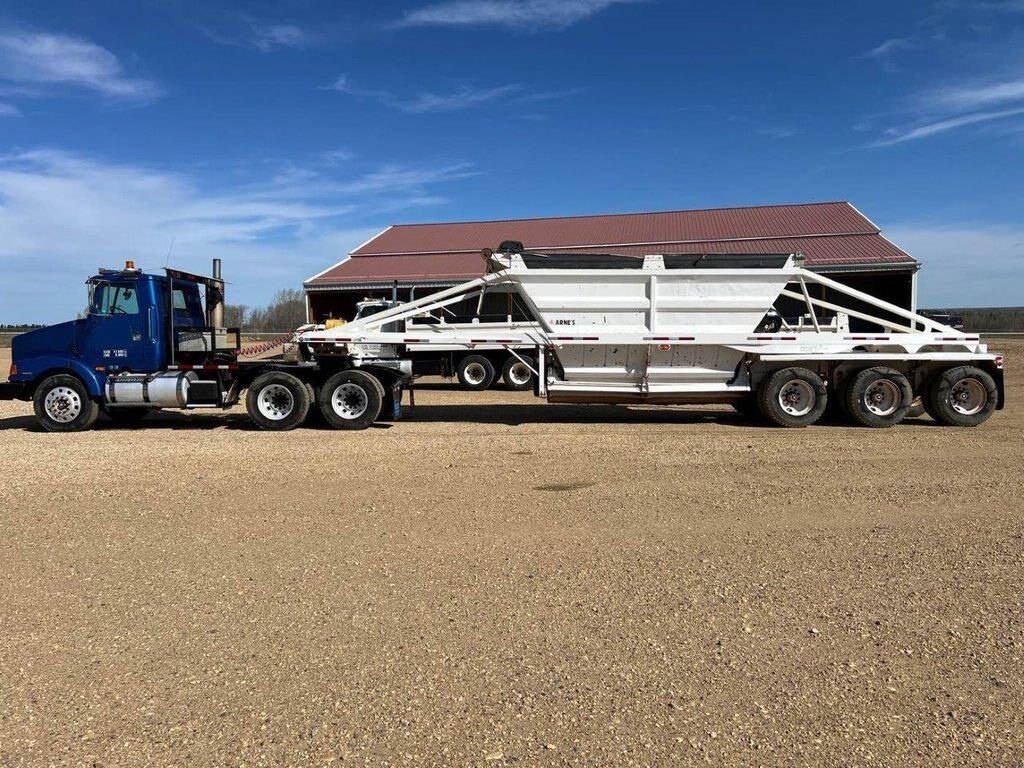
x,y
285,312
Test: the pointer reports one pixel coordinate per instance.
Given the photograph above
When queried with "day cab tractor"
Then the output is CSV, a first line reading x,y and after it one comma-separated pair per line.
x,y
155,341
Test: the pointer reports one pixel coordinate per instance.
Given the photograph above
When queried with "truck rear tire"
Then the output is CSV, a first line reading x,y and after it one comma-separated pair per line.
x,y
517,375
792,397
351,400
277,401
964,396
878,397
62,404
476,373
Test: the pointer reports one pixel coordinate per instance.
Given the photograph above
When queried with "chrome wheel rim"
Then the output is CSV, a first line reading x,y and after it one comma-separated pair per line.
x,y
882,398
475,373
519,373
276,402
63,404
796,397
350,401
968,397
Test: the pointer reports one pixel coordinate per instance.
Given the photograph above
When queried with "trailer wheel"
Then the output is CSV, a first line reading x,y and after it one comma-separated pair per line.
x,y
962,397
878,397
792,397
277,401
476,373
351,400
62,404
516,374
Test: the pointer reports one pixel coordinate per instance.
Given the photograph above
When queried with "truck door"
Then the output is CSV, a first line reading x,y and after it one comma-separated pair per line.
x,y
119,334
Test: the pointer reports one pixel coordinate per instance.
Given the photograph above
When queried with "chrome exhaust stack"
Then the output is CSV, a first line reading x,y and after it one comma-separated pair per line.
x,y
215,298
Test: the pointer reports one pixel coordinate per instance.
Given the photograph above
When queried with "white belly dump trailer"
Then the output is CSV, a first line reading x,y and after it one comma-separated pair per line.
x,y
689,329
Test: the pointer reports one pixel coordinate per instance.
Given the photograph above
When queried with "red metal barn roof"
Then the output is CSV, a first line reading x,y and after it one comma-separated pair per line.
x,y
831,235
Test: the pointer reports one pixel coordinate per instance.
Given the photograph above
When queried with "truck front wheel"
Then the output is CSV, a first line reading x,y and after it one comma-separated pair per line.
x,y
351,400
277,401
62,404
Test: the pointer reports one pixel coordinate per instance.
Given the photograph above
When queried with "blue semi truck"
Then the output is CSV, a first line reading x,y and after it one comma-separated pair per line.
x,y
153,341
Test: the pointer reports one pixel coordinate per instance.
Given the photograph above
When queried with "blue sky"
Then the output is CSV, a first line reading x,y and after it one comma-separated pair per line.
x,y
280,135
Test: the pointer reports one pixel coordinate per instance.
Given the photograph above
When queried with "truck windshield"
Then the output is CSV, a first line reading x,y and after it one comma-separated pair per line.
x,y
113,299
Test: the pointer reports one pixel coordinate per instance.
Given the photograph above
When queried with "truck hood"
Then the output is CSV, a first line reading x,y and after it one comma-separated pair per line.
x,y
52,340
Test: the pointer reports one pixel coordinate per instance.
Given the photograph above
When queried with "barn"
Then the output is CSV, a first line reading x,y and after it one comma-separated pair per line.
x,y
416,259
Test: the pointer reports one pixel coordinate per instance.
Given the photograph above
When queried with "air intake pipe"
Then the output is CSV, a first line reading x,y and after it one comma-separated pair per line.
x,y
215,298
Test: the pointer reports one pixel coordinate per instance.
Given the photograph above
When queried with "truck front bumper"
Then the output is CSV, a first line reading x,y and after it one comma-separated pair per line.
x,y
13,390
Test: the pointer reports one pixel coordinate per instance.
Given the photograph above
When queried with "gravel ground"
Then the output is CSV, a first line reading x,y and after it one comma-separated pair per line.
x,y
497,581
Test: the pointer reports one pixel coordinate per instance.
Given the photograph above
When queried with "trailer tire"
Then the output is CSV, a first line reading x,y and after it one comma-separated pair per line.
x,y
878,397
792,397
964,396
475,373
62,404
517,374
351,400
277,401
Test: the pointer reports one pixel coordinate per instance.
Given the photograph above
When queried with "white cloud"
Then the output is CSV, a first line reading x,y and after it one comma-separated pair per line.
x,y
966,97
8,110
40,62
889,47
461,98
901,136
263,36
885,52
527,14
64,215
268,37
964,265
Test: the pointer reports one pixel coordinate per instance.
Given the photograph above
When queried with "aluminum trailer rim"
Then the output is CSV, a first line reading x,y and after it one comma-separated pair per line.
x,y
276,402
475,373
519,373
796,397
63,404
882,398
350,401
968,397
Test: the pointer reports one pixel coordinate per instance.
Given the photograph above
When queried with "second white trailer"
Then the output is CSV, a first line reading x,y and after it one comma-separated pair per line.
x,y
702,329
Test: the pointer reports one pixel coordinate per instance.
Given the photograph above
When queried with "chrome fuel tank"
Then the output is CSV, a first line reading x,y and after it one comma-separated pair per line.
x,y
161,390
